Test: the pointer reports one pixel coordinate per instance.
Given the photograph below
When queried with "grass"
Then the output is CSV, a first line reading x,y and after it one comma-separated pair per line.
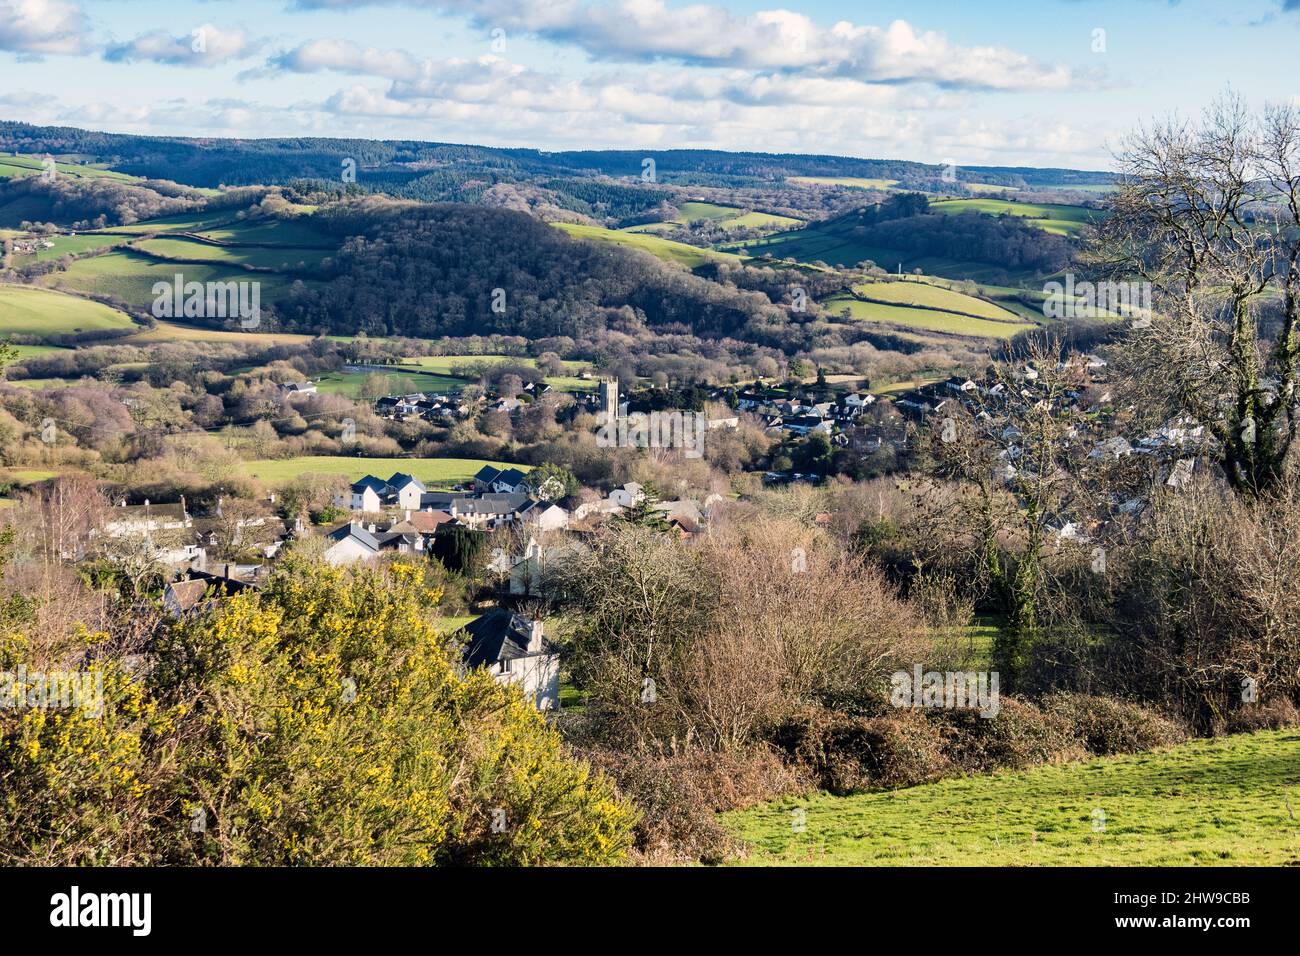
x,y
70,246
666,249
434,472
166,331
403,382
1054,218
448,364
183,222
857,182
282,259
1218,802
18,167
931,296
130,276
929,320
34,351
280,232
41,313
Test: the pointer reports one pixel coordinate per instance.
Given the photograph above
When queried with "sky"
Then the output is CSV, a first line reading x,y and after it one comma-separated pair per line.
x,y
980,82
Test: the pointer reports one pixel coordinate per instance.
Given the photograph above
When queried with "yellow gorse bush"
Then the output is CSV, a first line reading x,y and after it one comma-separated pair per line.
x,y
322,721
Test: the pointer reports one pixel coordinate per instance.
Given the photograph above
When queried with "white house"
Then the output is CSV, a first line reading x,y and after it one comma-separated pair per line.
x,y
351,543
628,495
546,517
407,491
515,651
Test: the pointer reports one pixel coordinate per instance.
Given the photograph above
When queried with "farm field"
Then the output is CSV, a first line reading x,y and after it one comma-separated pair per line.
x,y
130,276
184,222
445,364
17,167
40,312
434,472
1056,219
932,296
1220,802
929,320
399,382
838,247
165,331
281,232
666,249
31,351
282,259
71,246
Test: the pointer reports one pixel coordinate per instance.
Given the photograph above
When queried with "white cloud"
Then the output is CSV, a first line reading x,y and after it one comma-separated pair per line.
x,y
42,26
709,35
205,46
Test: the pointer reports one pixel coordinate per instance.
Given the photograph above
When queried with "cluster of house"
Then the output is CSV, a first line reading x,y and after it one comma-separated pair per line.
x,y
431,408
805,415
452,405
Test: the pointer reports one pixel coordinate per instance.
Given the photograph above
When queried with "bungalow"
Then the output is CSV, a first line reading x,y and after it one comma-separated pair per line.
x,y
294,389
515,651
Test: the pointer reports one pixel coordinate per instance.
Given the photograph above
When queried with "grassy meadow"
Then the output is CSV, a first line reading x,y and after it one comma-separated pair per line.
x,y
42,313
434,472
1228,802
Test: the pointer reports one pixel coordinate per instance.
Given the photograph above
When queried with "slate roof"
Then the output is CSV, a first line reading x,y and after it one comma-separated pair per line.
x,y
499,635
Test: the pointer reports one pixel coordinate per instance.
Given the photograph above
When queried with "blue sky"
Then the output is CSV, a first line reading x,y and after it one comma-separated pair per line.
x,y
1051,82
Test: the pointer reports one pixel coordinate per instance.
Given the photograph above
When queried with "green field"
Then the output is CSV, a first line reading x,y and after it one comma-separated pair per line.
x,y
166,331
400,382
1049,217
281,232
433,472
282,259
926,295
929,320
725,217
185,222
666,249
39,312
446,364
70,246
17,167
130,276
32,351
1228,801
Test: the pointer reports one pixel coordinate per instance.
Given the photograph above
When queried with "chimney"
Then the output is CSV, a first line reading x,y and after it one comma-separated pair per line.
x,y
534,636
371,528
219,503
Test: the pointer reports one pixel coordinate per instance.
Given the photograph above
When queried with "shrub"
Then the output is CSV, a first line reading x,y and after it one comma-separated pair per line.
x,y
1276,714
321,721
1107,726
842,753
1021,735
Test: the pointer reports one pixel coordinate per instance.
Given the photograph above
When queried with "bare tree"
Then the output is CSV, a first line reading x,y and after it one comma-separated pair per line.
x,y
1207,212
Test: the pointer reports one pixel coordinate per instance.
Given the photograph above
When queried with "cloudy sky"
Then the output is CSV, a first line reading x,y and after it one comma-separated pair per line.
x,y
1031,82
